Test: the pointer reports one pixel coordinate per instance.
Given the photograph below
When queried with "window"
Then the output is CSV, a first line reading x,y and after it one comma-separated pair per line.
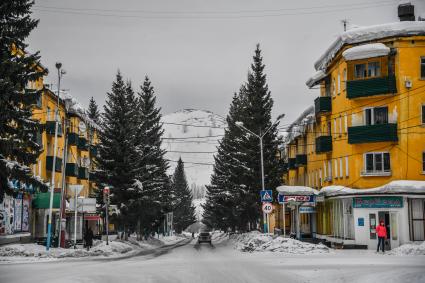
x,y
377,163
333,87
330,169
376,116
344,73
347,171
339,82
423,113
346,122
324,170
340,167
336,168
340,126
423,161
335,129
369,70
373,69
422,67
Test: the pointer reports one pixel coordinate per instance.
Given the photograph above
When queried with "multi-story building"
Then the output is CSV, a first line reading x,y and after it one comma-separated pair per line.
x,y
26,214
363,143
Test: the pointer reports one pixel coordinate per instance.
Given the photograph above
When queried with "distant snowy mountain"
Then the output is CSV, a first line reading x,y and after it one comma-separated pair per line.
x,y
193,135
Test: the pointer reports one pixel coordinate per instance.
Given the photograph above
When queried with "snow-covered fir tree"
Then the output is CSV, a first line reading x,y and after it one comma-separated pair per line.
x,y
19,147
183,209
93,111
117,160
155,197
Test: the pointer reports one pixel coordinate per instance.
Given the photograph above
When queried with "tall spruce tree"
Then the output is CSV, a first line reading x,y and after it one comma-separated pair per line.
x,y
155,199
118,164
183,209
233,196
93,111
18,145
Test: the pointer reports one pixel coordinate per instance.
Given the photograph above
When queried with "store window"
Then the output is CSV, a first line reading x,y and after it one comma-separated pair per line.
x,y
377,163
417,219
376,116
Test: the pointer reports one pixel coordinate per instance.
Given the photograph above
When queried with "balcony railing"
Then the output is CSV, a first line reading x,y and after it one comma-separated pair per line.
x,y
301,160
73,139
323,144
371,87
291,163
322,104
34,99
93,150
373,133
83,173
49,164
82,143
50,128
71,170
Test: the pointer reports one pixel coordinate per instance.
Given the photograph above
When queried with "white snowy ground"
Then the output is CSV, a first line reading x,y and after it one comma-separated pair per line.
x,y
223,263
116,249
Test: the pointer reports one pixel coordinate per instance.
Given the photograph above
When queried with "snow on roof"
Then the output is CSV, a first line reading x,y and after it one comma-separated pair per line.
x,y
366,51
299,126
296,190
363,34
393,187
77,109
316,78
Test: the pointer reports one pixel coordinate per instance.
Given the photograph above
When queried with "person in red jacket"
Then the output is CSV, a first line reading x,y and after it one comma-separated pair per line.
x,y
381,230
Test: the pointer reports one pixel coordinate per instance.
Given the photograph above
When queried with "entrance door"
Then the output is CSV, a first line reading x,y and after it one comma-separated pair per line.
x,y
395,239
385,216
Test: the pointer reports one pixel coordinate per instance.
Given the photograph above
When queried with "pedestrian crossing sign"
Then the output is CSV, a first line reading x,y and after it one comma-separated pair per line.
x,y
266,196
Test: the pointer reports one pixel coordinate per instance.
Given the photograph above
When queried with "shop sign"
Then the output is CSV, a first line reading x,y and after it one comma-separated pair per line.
x,y
307,209
320,198
360,221
378,202
284,199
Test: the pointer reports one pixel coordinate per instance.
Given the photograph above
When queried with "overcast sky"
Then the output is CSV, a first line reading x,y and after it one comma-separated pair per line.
x,y
196,52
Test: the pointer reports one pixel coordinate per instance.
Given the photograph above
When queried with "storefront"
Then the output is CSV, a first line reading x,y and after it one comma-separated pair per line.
x,y
86,218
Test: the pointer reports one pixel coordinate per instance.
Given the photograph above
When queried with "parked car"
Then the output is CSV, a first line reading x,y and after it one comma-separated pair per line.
x,y
204,237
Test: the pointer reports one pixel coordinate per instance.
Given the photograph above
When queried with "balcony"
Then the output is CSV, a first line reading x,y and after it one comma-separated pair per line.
x,y
71,170
323,144
49,164
34,99
291,163
371,87
50,128
83,173
93,150
82,143
322,105
301,160
372,133
73,139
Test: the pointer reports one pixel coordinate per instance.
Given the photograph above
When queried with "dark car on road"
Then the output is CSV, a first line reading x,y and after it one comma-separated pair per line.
x,y
204,237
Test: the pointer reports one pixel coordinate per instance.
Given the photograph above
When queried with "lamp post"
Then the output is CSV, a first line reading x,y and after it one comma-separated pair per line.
x,y
261,136
52,182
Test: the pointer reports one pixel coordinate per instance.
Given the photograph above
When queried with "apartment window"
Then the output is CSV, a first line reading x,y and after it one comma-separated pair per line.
x,y
347,171
339,83
330,169
333,87
344,73
423,161
422,67
340,167
324,170
375,116
377,162
336,168
48,114
320,177
369,70
340,126
346,122
423,113
335,129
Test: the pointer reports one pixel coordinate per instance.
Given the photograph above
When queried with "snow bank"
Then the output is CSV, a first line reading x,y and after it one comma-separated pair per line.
x,y
366,51
257,242
363,34
409,249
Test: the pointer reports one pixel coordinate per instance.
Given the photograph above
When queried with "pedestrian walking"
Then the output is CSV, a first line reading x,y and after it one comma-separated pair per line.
x,y
381,230
88,237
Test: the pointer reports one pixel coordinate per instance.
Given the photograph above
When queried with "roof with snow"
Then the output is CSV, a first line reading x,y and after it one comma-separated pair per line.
x,y
370,33
299,126
316,78
77,109
393,187
296,190
364,51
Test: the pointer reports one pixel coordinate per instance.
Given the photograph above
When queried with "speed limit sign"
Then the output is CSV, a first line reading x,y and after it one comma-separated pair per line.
x,y
267,207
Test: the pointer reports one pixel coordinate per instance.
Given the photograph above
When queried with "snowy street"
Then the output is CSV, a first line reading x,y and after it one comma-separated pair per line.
x,y
222,263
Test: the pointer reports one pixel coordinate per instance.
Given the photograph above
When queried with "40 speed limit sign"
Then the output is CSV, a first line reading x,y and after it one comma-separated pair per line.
x,y
267,207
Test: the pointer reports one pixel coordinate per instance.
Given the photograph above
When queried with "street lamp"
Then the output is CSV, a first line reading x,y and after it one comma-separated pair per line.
x,y
261,136
52,183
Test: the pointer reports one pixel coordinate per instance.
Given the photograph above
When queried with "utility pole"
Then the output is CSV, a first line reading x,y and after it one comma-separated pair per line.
x,y
344,23
106,195
52,182
261,136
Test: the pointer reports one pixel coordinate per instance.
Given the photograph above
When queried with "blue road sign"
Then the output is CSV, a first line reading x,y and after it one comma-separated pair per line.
x,y
266,196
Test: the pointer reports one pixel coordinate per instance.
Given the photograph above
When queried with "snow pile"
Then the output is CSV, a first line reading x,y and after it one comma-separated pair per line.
x,y
257,242
219,236
299,126
171,240
35,251
363,34
409,249
296,190
366,51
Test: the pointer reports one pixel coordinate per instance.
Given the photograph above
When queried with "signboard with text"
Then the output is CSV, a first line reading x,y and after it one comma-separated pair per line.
x,y
285,199
378,202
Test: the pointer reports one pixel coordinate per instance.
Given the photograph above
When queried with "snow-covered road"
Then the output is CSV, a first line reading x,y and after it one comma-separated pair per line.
x,y
222,263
